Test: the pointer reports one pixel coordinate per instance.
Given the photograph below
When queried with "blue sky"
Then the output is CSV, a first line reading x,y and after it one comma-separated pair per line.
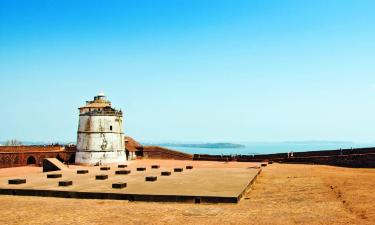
x,y
191,70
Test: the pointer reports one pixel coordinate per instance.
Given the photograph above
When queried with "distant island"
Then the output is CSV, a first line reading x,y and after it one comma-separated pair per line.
x,y
204,145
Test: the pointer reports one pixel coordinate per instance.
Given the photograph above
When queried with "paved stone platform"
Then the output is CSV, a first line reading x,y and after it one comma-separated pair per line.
x,y
207,182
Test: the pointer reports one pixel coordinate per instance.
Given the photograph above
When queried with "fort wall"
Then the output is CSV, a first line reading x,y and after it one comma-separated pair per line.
x,y
353,157
13,156
157,152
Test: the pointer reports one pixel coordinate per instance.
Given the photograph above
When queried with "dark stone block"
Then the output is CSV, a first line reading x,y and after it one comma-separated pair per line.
x,y
105,168
178,169
122,166
54,175
82,171
118,185
17,181
166,173
263,164
155,166
189,167
118,172
101,177
65,183
270,162
151,178
141,168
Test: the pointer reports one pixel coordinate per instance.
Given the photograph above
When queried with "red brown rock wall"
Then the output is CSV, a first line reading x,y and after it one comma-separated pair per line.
x,y
13,156
156,152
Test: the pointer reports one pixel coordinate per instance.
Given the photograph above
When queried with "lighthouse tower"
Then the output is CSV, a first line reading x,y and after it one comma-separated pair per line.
x,y
100,136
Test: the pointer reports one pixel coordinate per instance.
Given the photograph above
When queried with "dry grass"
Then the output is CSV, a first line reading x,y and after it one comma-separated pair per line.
x,y
283,194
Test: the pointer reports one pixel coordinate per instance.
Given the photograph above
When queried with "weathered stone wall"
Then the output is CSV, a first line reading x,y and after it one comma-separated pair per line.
x,y
354,160
156,152
31,148
100,139
13,156
357,157
100,133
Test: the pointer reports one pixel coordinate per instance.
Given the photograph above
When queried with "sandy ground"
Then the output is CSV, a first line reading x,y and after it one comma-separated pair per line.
x,y
216,179
282,194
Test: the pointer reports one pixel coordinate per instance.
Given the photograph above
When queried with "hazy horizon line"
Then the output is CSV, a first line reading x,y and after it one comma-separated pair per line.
x,y
213,142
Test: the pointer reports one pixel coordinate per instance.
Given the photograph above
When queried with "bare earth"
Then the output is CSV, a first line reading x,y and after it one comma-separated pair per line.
x,y
207,179
282,194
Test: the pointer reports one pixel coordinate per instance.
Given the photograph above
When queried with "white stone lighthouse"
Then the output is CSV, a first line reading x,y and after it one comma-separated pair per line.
x,y
100,136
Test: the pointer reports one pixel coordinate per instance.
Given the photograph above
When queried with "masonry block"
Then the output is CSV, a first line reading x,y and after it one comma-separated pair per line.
x,y
141,168
122,172
119,185
17,181
101,177
155,166
82,171
122,166
189,167
105,168
54,175
178,169
166,173
151,178
65,183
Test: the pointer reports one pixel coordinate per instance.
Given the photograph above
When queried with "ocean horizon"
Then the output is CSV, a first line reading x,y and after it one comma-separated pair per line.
x,y
268,148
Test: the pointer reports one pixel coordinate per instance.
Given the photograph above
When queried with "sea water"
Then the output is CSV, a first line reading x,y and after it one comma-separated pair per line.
x,y
269,148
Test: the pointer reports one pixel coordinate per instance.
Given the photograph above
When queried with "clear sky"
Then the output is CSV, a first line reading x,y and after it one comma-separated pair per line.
x,y
191,70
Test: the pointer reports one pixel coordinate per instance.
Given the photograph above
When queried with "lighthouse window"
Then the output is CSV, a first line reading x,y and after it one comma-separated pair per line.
x,y
110,127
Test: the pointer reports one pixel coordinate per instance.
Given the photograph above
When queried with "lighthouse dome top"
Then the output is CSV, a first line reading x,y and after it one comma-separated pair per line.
x,y
100,97
100,105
